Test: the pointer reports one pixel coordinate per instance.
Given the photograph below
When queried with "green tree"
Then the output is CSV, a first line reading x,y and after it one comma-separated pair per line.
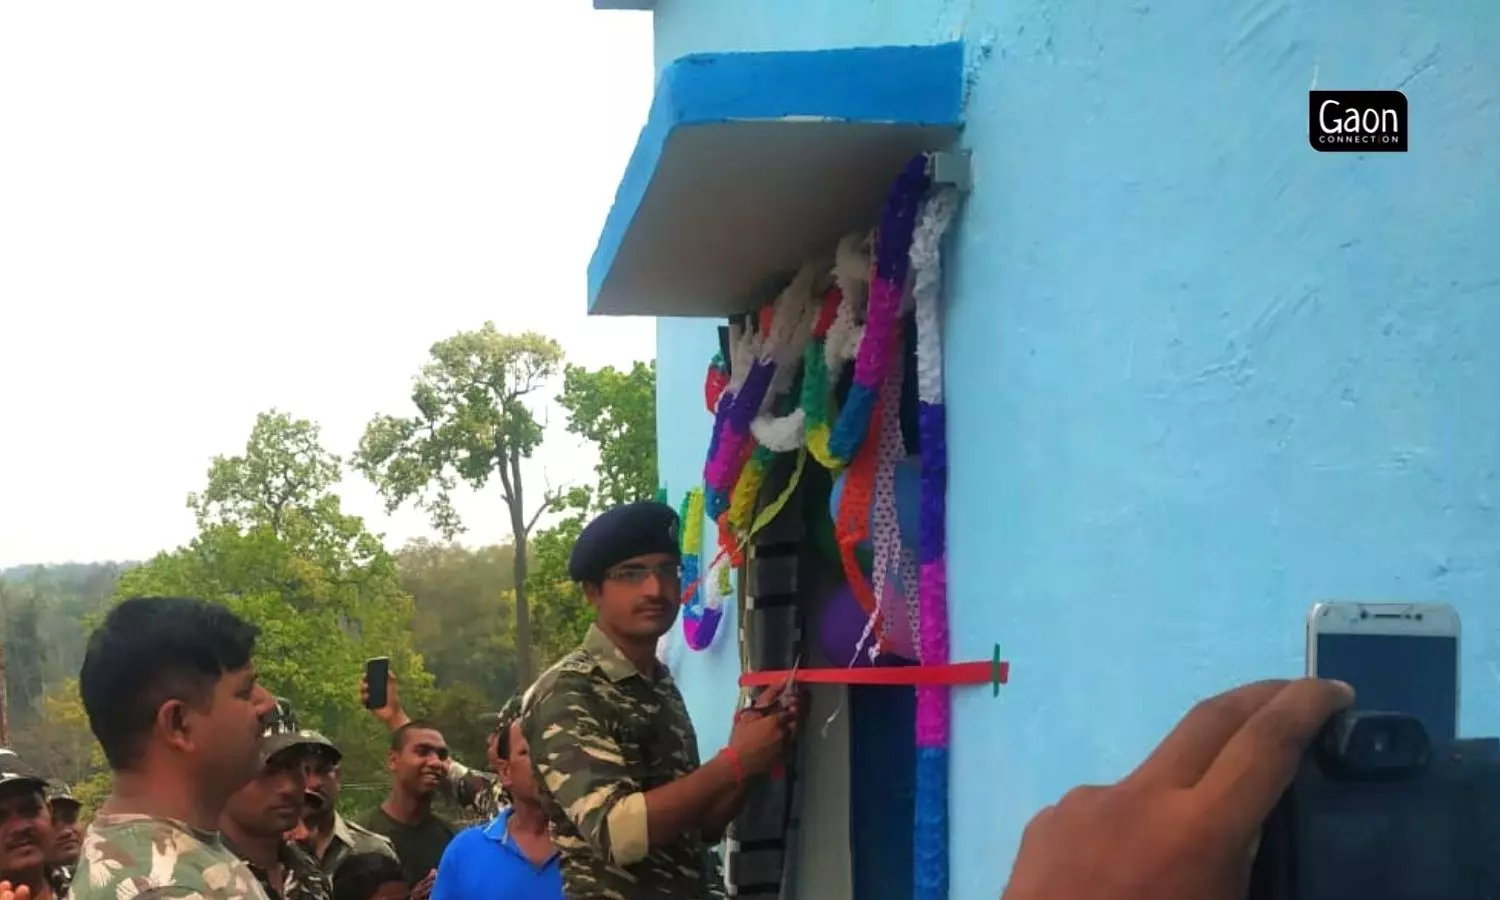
x,y
25,654
472,424
284,483
563,613
60,744
42,613
463,620
616,412
67,597
275,547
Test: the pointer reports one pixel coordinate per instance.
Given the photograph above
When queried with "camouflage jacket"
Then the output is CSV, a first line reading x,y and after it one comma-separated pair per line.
x,y
62,879
350,838
601,735
136,856
475,791
301,876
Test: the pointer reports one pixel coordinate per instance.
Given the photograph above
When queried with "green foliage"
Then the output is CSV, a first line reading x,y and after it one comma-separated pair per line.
x,y
283,483
563,613
472,423
616,411
463,615
274,544
26,654
59,744
458,712
275,547
41,611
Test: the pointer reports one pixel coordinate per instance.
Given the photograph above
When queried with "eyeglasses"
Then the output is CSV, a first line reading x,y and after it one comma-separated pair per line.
x,y
635,574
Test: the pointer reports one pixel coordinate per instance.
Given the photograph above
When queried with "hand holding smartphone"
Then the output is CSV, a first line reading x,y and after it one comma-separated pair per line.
x,y
377,677
1388,804
1399,658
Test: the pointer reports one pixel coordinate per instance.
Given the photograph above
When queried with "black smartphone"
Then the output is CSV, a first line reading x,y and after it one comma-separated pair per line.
x,y
1381,810
377,672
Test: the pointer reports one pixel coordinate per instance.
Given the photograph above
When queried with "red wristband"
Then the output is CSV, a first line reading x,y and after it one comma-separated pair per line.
x,y
733,756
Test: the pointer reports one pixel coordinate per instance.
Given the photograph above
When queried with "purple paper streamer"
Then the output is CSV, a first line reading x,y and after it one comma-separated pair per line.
x,y
724,467
898,221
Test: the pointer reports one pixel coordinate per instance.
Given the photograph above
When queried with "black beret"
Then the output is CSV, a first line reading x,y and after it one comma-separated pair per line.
x,y
621,533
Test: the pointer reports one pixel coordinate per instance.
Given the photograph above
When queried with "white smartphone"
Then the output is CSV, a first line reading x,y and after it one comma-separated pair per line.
x,y
1399,657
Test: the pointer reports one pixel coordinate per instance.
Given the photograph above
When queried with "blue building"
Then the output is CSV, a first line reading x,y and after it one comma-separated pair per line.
x,y
1198,374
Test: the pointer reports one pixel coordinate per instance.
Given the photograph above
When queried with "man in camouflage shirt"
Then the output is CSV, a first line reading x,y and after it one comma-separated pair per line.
x,y
331,837
26,830
610,737
257,816
67,835
170,690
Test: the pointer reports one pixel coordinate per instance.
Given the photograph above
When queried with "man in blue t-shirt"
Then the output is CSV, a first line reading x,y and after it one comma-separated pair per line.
x,y
511,857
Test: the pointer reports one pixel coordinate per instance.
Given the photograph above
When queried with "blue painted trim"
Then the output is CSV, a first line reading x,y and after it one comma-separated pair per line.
x,y
914,86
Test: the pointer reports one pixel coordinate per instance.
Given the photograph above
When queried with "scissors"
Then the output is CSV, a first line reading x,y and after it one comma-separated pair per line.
x,y
791,681
785,700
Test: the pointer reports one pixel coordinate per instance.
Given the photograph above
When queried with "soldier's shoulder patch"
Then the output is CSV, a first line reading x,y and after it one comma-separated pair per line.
x,y
579,662
562,676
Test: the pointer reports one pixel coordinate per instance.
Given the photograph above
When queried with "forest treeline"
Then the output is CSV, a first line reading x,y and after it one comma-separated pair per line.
x,y
463,624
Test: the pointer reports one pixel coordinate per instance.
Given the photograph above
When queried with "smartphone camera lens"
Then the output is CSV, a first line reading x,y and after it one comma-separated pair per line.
x,y
1375,745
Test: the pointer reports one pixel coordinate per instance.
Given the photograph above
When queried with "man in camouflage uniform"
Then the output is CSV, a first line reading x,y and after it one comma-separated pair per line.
x,y
331,837
610,738
170,689
257,816
26,830
67,835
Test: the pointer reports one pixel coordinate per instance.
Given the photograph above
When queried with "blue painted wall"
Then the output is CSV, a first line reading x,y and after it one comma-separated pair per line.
x,y
1200,375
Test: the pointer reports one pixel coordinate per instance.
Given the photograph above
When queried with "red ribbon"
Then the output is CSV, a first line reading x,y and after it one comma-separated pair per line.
x,y
947,675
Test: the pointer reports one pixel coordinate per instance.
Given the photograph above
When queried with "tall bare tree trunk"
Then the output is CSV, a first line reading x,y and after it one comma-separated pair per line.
x,y
4,703
523,614
520,532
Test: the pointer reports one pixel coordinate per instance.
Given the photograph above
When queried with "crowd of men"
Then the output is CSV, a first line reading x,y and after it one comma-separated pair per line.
x,y
219,792
594,789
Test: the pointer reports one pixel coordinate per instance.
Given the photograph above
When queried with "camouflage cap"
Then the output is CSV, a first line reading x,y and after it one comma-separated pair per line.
x,y
57,792
14,770
281,732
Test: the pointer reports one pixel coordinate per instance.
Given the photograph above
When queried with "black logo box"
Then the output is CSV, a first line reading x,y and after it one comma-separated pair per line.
x,y
1357,121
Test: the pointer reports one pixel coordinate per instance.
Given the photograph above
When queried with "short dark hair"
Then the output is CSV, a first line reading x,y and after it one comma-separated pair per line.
x,y
361,875
502,738
150,650
398,737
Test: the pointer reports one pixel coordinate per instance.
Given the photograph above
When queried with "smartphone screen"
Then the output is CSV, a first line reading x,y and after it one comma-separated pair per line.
x,y
376,672
1412,674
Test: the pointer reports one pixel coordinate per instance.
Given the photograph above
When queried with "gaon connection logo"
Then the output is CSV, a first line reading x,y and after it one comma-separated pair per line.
x,y
1357,121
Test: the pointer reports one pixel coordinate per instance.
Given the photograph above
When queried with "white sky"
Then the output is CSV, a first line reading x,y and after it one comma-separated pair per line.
x,y
211,209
